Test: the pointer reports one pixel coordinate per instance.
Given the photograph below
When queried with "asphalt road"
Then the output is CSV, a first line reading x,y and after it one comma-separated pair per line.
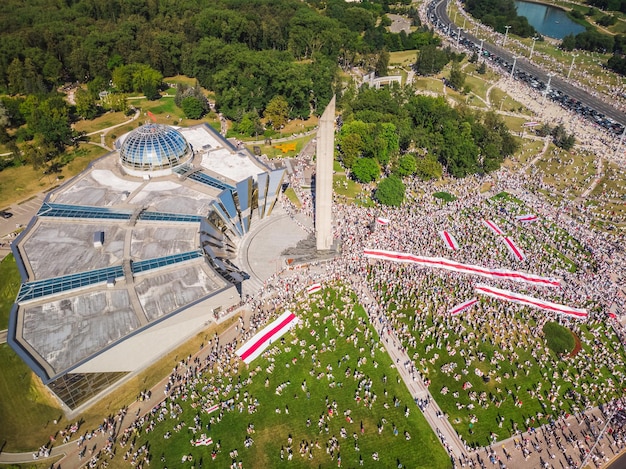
x,y
557,83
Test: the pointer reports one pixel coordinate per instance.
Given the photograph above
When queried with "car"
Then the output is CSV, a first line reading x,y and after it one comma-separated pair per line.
x,y
5,214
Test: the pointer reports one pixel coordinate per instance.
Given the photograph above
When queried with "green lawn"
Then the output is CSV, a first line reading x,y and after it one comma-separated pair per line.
x,y
568,172
26,409
22,182
528,150
272,152
428,84
293,197
520,387
101,122
402,58
445,196
320,368
9,286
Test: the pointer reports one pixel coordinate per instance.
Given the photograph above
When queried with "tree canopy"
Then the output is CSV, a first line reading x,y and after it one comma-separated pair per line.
x,y
387,124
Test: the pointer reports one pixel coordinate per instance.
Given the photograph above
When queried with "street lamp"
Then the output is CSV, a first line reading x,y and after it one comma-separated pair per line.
x,y
480,52
550,75
507,27
532,48
455,16
571,65
513,67
464,19
458,38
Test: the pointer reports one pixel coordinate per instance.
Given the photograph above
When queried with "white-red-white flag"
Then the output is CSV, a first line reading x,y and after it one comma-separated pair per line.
x,y
313,288
507,295
268,335
449,240
515,251
383,221
528,218
463,306
493,227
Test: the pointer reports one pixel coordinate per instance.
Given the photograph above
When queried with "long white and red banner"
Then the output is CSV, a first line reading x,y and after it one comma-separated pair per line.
x,y
515,251
463,306
519,298
269,334
449,240
526,218
493,227
202,441
442,263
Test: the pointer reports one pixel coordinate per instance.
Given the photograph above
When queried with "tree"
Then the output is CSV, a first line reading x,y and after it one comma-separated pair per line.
x,y
85,104
277,111
482,68
390,191
568,43
431,60
192,107
366,170
457,76
405,166
351,146
383,63
428,168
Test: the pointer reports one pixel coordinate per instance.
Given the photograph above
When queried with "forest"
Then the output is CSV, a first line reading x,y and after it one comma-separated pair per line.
x,y
246,51
393,131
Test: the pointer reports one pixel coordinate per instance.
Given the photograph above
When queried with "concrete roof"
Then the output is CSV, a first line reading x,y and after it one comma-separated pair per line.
x,y
96,327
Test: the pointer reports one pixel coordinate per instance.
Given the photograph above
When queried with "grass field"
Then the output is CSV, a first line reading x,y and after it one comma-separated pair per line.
x,y
402,58
293,197
26,408
525,388
313,373
9,287
273,152
568,172
20,183
101,122
528,150
428,84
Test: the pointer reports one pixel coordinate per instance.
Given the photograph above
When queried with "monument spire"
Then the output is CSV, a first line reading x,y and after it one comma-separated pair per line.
x,y
324,178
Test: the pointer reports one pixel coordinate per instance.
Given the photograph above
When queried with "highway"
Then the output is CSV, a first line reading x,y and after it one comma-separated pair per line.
x,y
522,64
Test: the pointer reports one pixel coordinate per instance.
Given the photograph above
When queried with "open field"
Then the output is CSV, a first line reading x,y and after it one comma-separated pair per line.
x,y
26,408
101,122
402,58
19,183
331,376
9,287
528,150
568,172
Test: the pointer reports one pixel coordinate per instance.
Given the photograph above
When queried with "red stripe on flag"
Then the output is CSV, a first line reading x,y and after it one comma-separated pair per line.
x,y
514,248
458,267
518,298
493,227
267,336
450,241
463,306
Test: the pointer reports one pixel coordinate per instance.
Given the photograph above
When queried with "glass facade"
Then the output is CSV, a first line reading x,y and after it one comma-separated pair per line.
x,y
75,389
154,146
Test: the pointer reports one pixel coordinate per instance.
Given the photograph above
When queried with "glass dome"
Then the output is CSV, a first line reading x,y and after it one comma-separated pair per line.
x,y
153,147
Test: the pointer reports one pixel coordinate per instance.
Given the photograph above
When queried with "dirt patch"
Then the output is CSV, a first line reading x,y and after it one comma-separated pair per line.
x,y
577,346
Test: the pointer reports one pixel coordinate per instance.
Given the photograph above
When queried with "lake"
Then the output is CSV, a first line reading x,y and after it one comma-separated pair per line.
x,y
547,20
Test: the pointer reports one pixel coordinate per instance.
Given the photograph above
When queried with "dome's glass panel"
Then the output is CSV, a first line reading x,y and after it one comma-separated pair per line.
x,y
154,146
